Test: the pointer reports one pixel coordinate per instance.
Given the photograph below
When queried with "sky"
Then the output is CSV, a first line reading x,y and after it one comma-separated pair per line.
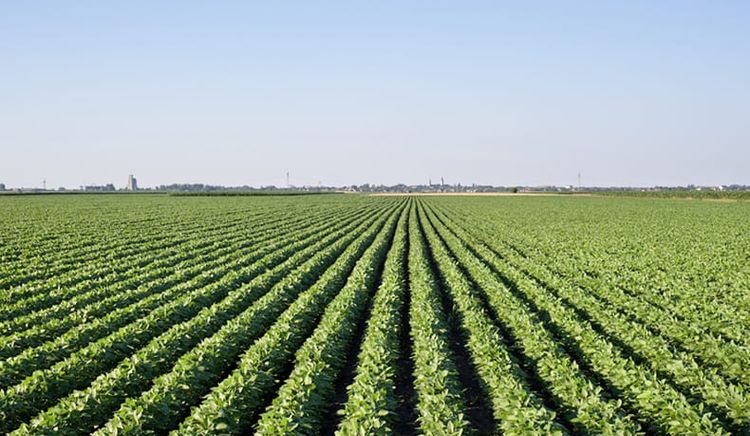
x,y
635,93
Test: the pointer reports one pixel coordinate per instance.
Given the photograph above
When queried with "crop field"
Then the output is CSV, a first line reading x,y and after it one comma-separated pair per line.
x,y
348,314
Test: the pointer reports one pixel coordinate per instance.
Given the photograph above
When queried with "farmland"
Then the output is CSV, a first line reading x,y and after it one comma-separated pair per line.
x,y
348,314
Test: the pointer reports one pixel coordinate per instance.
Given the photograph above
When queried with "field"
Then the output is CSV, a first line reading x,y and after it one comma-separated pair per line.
x,y
135,314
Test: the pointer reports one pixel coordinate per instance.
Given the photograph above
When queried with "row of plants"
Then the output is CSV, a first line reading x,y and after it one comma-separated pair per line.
x,y
581,402
93,237
720,343
49,320
371,405
514,405
43,388
83,411
233,403
717,323
85,249
29,329
61,294
307,393
108,262
685,263
39,357
681,368
439,399
688,328
656,401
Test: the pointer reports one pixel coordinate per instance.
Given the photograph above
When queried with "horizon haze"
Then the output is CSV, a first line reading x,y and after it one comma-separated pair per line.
x,y
240,93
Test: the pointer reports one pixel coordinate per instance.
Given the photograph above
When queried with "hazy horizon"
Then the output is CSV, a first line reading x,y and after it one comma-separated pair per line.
x,y
235,93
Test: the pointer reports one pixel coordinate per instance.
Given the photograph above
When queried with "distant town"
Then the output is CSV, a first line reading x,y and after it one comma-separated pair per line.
x,y
132,186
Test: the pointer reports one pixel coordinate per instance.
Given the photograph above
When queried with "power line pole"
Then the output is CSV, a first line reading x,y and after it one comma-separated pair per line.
x,y
579,180
44,184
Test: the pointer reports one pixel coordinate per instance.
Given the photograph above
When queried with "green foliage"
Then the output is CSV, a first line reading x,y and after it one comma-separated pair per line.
x,y
441,407
197,315
371,399
705,194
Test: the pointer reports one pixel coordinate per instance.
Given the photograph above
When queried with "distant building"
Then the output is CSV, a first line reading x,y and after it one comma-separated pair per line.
x,y
2,186
132,183
100,188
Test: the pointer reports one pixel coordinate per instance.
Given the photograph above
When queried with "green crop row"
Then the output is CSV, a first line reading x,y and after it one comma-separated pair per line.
x,y
47,324
42,388
681,367
703,385
514,405
573,392
657,402
356,315
108,264
12,370
84,410
170,397
371,397
440,403
307,393
231,405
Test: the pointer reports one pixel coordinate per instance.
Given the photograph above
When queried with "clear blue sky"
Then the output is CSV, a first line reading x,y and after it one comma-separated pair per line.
x,y
626,92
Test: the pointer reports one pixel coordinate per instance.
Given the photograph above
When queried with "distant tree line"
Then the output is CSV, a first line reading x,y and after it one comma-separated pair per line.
x,y
724,191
